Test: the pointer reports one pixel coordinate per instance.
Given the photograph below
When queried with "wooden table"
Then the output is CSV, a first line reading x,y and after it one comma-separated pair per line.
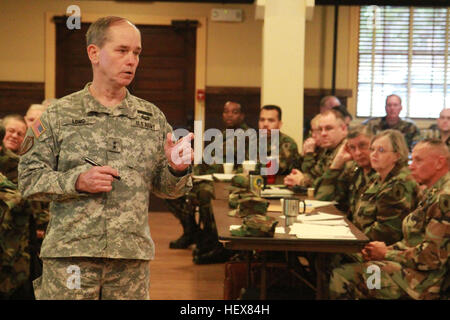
x,y
287,242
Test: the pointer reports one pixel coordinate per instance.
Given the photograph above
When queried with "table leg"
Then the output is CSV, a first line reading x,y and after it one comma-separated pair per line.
x,y
322,285
263,293
249,268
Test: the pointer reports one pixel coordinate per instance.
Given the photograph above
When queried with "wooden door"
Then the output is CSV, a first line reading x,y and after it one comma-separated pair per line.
x,y
165,75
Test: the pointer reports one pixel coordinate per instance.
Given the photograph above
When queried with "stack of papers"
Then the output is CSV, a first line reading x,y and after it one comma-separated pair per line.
x,y
205,177
321,226
217,176
312,231
276,192
320,216
223,176
317,204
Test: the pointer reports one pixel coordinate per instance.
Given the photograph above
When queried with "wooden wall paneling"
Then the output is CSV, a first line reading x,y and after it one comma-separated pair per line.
x,y
16,97
250,98
216,97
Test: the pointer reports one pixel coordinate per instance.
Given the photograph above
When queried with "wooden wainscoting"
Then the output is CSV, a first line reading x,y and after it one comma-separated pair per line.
x,y
16,97
250,99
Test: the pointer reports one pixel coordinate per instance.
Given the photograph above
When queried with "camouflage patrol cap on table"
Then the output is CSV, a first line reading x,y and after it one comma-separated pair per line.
x,y
249,206
240,181
256,226
235,196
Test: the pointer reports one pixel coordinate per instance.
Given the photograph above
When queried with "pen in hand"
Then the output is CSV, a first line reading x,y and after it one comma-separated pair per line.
x,y
92,162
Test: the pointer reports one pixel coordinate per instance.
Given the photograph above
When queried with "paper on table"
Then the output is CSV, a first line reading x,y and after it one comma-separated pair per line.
x,y
206,177
318,217
336,222
223,176
311,231
280,230
318,204
276,192
234,227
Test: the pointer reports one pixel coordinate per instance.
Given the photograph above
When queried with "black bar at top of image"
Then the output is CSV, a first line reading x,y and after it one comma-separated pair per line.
x,y
403,3
195,1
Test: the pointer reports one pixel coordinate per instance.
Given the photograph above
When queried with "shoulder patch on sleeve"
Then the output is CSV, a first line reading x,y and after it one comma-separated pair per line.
x,y
38,128
444,202
398,191
26,145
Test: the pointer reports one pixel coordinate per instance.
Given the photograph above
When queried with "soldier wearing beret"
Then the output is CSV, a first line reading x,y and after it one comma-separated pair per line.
x,y
96,154
417,265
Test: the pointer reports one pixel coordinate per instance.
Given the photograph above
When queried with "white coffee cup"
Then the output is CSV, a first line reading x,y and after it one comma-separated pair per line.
x,y
248,166
228,168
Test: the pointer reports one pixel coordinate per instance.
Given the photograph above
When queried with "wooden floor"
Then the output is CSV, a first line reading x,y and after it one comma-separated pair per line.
x,y
173,275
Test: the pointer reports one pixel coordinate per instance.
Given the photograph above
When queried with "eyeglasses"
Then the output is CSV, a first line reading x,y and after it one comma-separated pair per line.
x,y
380,150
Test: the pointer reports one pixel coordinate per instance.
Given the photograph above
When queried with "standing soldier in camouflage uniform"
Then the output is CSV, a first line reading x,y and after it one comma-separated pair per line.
x,y
98,242
443,123
393,121
416,266
333,132
350,172
288,156
393,193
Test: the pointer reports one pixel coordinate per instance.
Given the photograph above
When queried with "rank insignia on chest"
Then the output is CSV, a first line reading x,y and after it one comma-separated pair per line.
x,y
114,145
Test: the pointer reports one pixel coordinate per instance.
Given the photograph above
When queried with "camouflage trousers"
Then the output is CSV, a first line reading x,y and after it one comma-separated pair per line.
x,y
208,238
184,209
363,281
86,278
12,277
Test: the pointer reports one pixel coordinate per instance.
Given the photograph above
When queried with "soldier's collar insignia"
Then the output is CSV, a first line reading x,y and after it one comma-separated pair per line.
x,y
38,128
26,145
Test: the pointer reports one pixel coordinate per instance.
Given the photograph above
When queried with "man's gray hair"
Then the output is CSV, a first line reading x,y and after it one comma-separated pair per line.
x,y
98,31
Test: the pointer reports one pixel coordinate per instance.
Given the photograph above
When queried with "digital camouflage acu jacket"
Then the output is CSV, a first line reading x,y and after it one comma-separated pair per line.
x,y
130,138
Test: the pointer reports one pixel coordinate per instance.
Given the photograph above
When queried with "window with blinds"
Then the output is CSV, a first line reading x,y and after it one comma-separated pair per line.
x,y
404,50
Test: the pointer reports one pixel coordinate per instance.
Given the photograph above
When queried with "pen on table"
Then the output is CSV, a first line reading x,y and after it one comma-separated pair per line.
x,y
92,162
